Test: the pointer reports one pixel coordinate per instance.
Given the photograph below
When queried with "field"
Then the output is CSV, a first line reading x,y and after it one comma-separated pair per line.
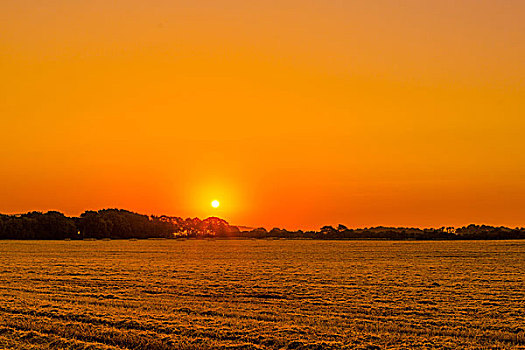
x,y
261,294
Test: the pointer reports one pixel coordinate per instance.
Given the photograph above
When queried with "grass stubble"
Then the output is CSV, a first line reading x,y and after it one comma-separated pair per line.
x,y
275,294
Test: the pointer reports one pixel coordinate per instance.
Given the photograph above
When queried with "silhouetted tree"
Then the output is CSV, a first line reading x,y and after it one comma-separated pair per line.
x,y
119,224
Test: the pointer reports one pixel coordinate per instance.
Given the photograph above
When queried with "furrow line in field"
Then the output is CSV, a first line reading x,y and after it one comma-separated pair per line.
x,y
17,337
360,324
98,328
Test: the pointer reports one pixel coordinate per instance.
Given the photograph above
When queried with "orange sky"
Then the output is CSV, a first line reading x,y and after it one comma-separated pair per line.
x,y
293,114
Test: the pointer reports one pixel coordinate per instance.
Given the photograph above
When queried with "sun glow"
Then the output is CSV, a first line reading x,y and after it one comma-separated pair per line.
x,y
215,203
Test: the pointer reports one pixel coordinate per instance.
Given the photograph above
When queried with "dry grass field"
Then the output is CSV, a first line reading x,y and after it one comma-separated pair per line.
x,y
247,294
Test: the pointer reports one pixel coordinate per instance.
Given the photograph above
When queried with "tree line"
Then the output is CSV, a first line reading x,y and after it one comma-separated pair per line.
x,y
124,224
341,232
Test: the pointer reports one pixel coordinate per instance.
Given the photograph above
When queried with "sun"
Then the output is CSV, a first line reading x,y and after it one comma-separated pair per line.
x,y
215,203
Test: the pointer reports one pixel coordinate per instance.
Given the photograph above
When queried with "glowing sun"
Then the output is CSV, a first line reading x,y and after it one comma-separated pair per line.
x,y
215,203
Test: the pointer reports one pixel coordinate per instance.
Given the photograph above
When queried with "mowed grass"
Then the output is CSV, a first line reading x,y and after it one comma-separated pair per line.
x,y
258,294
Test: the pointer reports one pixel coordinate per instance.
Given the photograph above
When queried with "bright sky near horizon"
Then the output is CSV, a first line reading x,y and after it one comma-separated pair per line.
x,y
291,113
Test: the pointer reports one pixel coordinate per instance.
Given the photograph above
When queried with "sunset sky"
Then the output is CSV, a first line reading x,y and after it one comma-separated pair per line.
x,y
291,113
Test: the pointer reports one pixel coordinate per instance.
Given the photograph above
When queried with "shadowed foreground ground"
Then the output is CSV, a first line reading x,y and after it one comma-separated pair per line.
x,y
261,294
